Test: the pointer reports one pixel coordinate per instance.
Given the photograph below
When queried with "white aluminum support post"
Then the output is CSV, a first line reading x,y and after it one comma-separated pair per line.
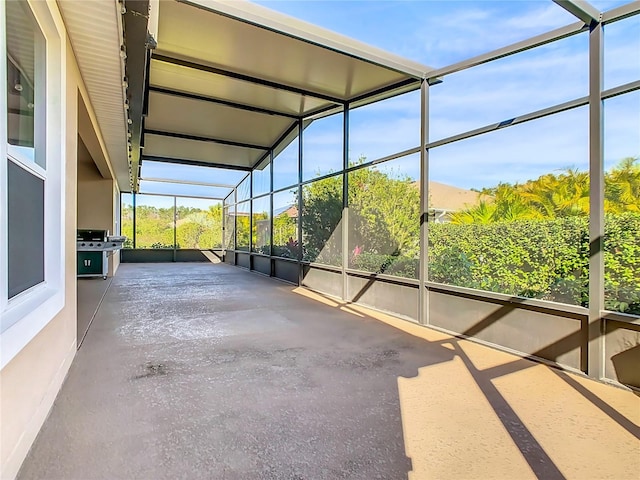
x,y
423,274
595,362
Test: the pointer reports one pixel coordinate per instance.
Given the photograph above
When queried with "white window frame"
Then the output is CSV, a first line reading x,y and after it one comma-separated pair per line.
x,y
25,315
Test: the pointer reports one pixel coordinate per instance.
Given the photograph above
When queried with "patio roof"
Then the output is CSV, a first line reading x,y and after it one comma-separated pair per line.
x,y
229,79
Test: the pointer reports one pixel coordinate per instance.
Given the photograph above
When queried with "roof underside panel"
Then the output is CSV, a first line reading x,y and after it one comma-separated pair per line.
x,y
184,79
228,79
198,118
201,151
185,31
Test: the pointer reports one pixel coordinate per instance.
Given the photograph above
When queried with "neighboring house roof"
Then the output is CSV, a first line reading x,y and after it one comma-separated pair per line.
x,y
450,198
290,210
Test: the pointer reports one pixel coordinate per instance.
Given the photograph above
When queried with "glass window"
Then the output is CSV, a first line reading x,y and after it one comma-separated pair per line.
x,y
322,146
622,203
384,128
154,221
322,221
243,211
510,210
25,85
198,223
181,189
508,87
126,218
285,162
261,226
229,227
622,52
262,178
244,189
191,173
285,224
384,218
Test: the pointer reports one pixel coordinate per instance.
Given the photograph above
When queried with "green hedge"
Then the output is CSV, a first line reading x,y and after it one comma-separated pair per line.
x,y
544,259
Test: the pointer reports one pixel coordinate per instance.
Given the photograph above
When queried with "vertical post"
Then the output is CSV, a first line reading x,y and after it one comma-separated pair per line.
x,y
134,220
271,265
345,201
423,298
250,220
175,224
235,225
595,362
224,227
300,267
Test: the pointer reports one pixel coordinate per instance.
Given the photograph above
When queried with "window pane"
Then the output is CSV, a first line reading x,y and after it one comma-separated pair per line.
x,y
322,146
384,218
285,224
154,221
262,178
198,223
242,226
25,84
186,173
25,211
384,128
244,189
190,190
285,163
321,221
126,218
261,227
511,210
622,203
229,227
622,52
509,87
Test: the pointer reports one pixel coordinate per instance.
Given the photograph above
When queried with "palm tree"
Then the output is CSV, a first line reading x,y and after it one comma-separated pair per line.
x,y
622,187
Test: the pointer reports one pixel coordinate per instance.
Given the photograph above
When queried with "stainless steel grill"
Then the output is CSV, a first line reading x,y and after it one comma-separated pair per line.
x,y
92,247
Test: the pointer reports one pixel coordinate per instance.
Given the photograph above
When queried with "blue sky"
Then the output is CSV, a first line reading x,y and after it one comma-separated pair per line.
x,y
439,33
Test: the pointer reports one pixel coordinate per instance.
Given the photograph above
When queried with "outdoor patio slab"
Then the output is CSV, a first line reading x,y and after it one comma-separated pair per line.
x,y
208,371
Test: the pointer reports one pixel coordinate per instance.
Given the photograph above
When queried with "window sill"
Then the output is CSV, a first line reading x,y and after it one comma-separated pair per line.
x,y
25,317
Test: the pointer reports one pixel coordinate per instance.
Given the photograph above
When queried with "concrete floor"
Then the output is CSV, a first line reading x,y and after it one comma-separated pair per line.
x,y
207,371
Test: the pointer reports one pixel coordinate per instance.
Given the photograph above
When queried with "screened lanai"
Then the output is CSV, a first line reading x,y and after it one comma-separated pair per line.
x,y
297,151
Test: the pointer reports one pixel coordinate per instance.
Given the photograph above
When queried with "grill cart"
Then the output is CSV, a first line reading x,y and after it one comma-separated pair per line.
x,y
92,247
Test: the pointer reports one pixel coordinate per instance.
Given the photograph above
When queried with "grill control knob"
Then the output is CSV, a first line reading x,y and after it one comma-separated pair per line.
x,y
91,244
113,244
83,244
98,244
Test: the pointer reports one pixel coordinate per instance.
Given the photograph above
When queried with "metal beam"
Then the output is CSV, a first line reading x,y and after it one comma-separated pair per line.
x,y
621,89
389,88
628,10
582,10
545,112
185,136
244,78
196,163
179,196
240,106
518,47
186,182
562,107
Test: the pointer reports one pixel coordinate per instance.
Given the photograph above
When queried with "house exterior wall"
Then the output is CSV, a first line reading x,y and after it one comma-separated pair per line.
x,y
33,373
96,207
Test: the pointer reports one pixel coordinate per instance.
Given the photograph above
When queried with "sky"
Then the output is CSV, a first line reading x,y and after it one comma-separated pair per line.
x,y
440,33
